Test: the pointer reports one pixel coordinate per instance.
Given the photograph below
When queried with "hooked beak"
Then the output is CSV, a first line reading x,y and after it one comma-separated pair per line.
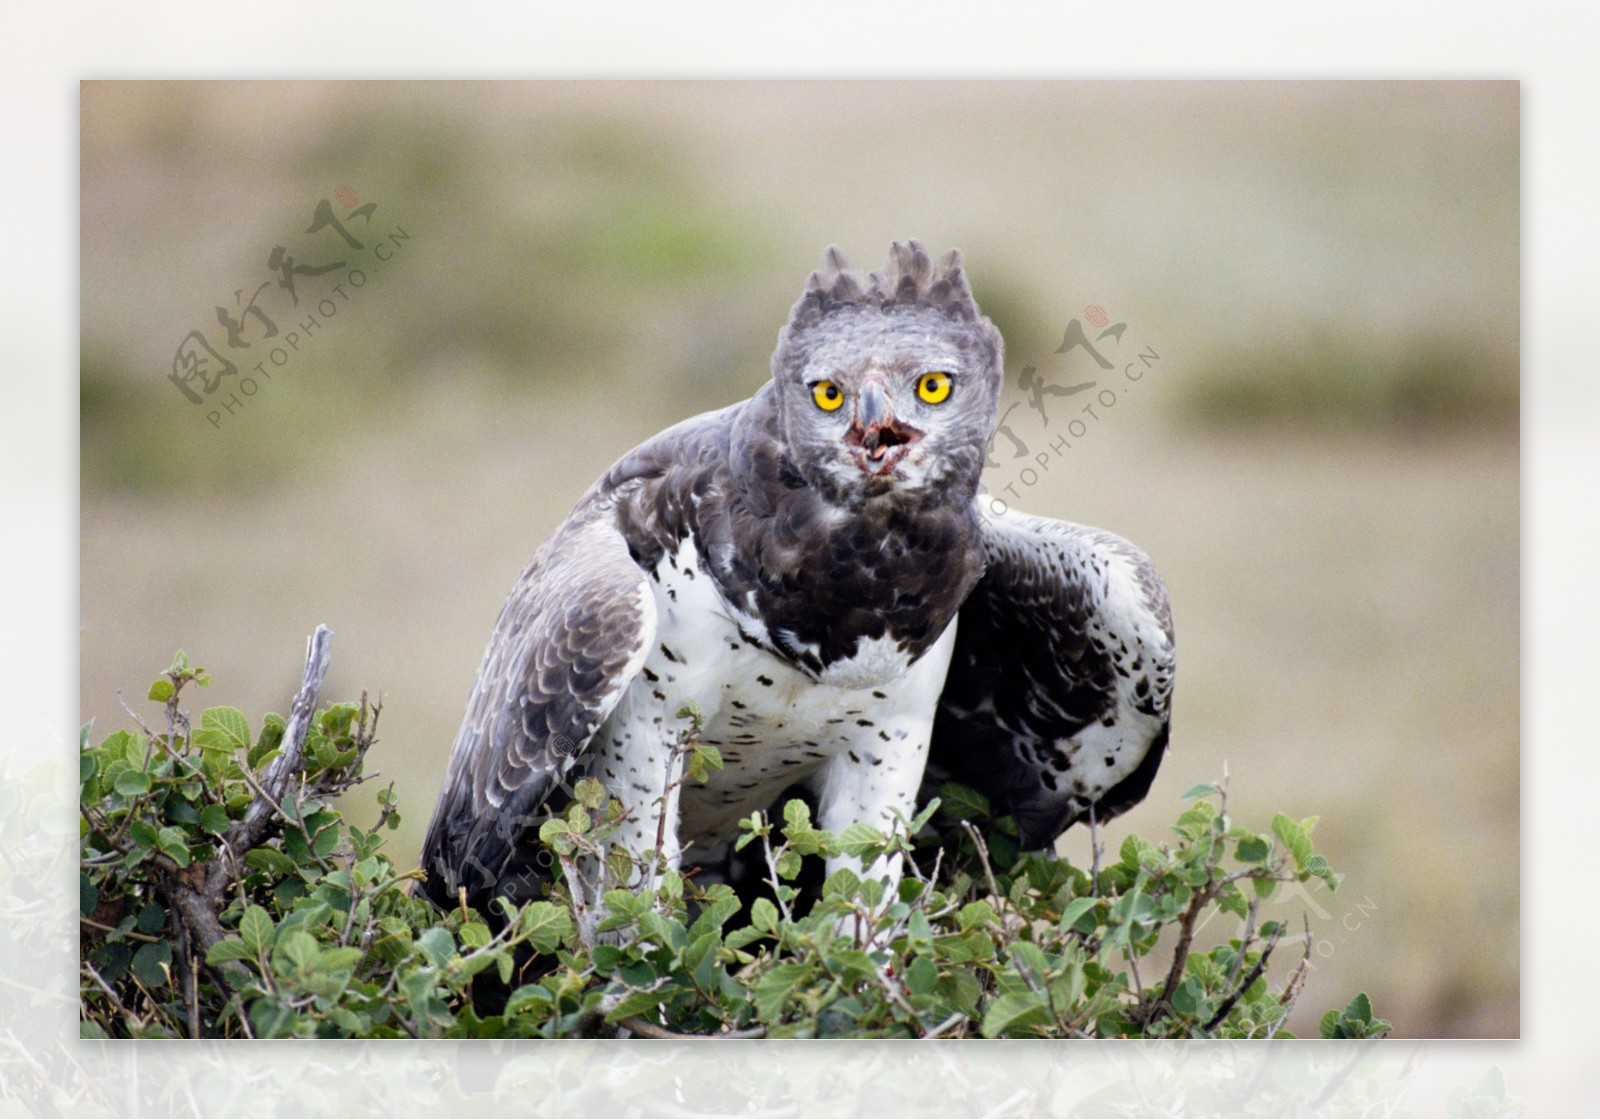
x,y
879,439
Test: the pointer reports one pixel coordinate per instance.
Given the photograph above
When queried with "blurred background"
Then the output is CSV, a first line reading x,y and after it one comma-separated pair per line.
x,y
1312,427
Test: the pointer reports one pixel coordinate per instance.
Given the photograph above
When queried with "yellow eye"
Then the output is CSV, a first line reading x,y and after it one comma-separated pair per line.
x,y
827,395
933,387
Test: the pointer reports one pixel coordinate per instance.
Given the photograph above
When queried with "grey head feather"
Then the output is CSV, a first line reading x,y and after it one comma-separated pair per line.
x,y
908,279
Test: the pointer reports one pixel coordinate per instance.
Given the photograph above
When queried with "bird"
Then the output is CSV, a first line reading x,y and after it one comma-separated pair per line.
x,y
817,575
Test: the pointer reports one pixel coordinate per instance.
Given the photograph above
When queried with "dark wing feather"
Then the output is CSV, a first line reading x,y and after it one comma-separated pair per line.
x,y
1058,698
570,639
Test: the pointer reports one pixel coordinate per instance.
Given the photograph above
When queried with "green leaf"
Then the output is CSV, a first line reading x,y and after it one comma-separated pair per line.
x,y
295,846
976,914
1196,820
698,951
229,949
843,883
921,976
151,964
143,833
590,793
214,819
256,929
860,839
1359,1009
296,949
270,860
88,894
134,749
1015,1012
635,1003
764,915
702,761
963,803
151,918
919,931
1204,789
340,958
272,729
1079,915
132,783
775,986
714,914
529,997
1293,835
1189,998
1068,988
161,691
1254,849
545,925
796,816
224,727
172,843
1029,958
627,904
661,930
1318,866
741,937
437,943
271,1018
973,946
929,811
961,991
327,840
1329,1026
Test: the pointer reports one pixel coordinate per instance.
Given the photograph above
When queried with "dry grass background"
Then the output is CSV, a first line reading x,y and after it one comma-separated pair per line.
x,y
1324,463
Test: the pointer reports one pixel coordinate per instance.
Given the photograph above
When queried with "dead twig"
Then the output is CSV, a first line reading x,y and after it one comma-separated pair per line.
x,y
983,857
650,1030
247,832
1250,978
196,894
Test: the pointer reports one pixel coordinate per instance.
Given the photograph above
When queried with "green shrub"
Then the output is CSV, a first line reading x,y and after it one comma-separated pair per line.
x,y
223,894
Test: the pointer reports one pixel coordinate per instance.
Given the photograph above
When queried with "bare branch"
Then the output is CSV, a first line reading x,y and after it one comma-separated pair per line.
x,y
248,831
580,905
983,856
1096,850
1250,978
116,1000
650,1030
148,734
772,871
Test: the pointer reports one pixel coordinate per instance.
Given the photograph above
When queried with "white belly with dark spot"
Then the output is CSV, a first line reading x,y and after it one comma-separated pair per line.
x,y
772,724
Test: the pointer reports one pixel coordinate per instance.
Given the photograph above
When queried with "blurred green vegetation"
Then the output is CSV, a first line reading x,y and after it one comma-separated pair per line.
x,y
1328,379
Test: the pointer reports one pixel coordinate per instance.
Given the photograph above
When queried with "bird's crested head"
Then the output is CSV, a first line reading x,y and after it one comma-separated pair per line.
x,y
888,383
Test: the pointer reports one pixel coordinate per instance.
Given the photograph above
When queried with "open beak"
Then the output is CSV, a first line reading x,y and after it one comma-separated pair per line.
x,y
879,439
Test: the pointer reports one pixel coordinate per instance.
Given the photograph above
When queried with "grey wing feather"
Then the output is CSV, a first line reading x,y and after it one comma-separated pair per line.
x,y
571,637
1058,700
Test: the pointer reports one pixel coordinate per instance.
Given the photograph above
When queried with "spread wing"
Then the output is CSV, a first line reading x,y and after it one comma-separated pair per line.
x,y
1059,693
570,639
